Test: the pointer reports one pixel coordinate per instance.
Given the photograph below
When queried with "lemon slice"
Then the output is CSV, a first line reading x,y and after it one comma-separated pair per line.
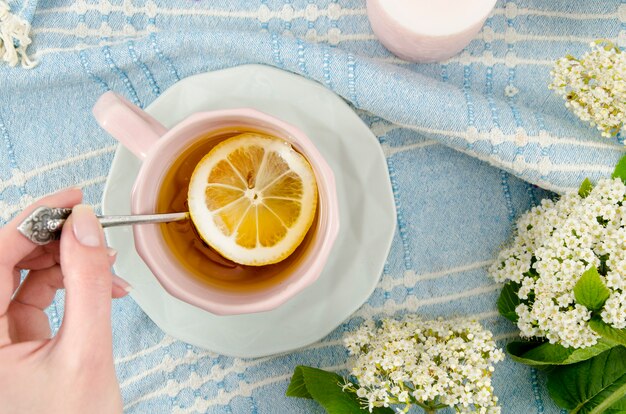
x,y
253,198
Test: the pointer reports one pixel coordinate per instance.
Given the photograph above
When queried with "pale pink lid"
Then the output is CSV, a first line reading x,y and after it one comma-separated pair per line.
x,y
427,30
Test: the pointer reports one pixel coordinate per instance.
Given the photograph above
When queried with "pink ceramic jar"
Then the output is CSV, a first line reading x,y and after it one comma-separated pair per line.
x,y
427,30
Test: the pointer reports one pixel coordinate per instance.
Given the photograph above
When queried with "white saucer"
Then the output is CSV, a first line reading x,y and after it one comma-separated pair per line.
x,y
367,214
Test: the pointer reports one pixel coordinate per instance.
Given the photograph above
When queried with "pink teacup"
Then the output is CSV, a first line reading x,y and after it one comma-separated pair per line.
x,y
158,148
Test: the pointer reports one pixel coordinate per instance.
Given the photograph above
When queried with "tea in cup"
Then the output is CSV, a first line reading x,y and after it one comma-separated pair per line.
x,y
176,253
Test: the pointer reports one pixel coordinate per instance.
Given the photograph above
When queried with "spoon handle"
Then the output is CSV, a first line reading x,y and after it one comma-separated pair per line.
x,y
112,221
44,224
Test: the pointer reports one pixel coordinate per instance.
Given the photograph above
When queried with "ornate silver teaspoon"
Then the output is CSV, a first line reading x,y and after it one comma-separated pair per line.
x,y
45,223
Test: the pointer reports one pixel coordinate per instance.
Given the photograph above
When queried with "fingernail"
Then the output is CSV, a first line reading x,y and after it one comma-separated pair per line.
x,y
111,251
86,226
119,282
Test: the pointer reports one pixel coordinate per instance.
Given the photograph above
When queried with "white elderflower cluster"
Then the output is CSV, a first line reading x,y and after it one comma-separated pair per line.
x,y
594,87
432,364
555,244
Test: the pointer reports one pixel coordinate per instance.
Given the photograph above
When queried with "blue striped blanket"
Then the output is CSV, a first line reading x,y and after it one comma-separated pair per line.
x,y
471,143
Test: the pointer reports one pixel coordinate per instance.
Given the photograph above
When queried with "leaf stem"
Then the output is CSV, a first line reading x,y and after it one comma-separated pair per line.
x,y
614,397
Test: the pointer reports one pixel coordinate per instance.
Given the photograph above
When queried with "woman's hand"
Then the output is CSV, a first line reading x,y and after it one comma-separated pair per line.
x,y
72,372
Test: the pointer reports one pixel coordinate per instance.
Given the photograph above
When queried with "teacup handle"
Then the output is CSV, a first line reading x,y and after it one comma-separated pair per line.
x,y
127,123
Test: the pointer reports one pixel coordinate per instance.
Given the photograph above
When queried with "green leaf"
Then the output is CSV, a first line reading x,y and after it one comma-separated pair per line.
x,y
585,188
620,169
508,301
297,387
325,388
545,354
594,386
607,331
590,290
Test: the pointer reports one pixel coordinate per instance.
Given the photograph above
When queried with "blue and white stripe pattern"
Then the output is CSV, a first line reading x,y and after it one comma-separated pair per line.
x,y
465,156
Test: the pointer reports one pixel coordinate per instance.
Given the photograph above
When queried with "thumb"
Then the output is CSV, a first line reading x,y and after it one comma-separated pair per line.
x,y
87,279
